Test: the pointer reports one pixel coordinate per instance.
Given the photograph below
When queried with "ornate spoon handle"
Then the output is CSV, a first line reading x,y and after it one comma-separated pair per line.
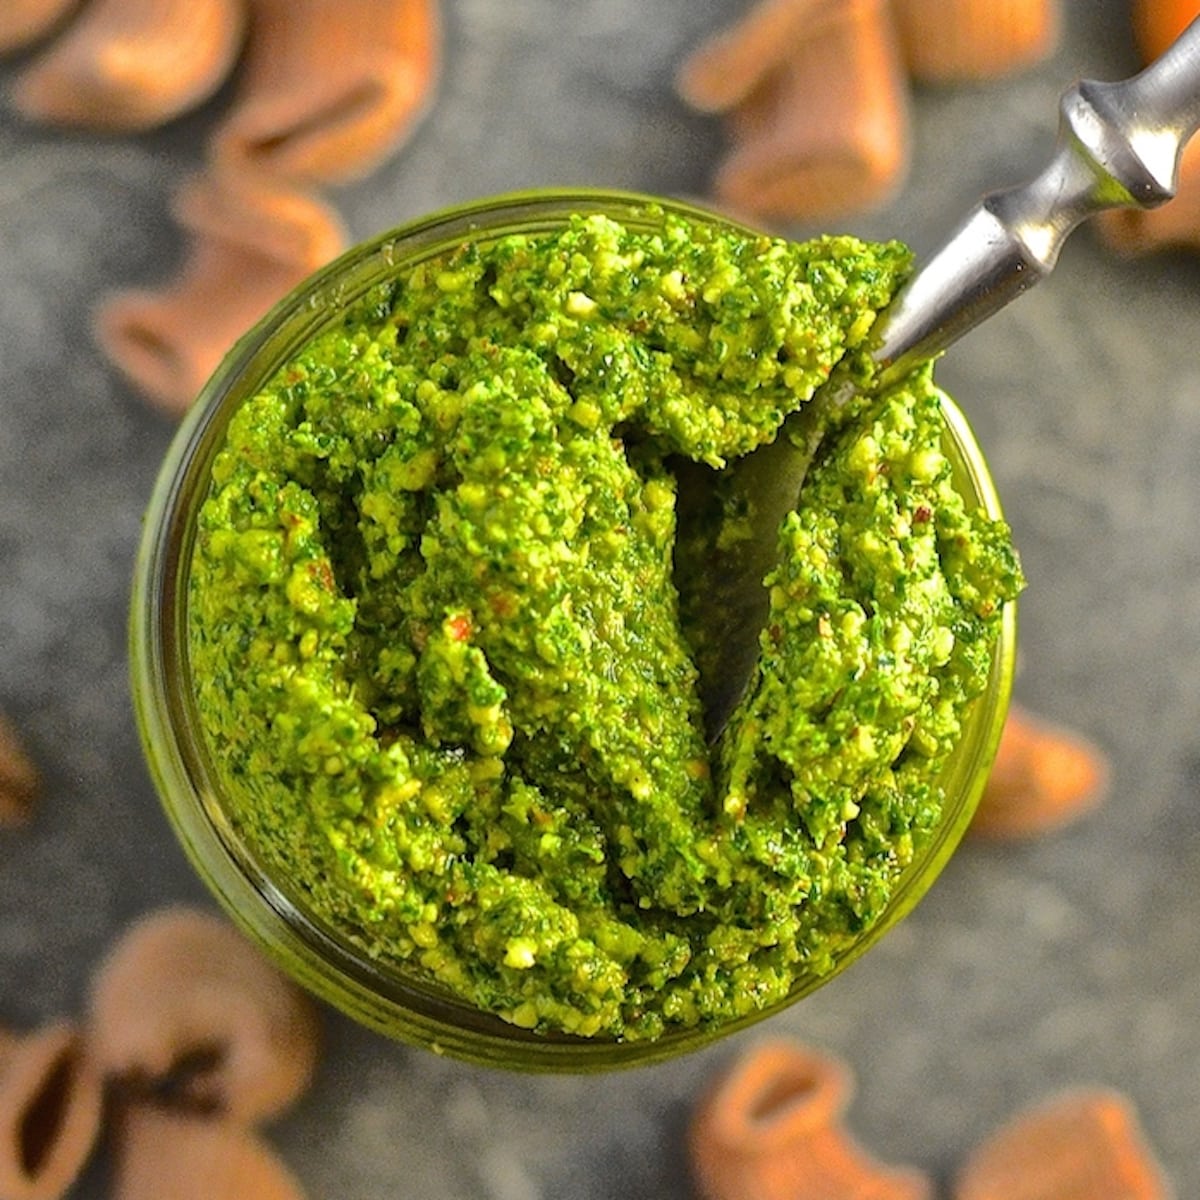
x,y
1118,147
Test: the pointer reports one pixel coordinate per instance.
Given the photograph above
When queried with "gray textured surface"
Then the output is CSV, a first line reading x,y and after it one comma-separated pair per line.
x,y
1072,959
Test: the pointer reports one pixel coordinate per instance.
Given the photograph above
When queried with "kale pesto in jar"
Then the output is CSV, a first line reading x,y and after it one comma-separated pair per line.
x,y
442,664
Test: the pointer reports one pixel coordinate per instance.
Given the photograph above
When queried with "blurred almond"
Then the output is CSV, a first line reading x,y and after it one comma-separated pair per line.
x,y
1157,23
958,41
162,1155
1044,777
252,241
187,1010
128,65
24,21
1082,1145
19,780
727,67
771,1128
330,88
50,1111
825,132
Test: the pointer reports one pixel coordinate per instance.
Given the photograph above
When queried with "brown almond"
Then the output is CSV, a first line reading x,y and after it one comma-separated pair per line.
x,y
252,241
50,1110
958,41
19,779
23,22
129,65
330,88
827,132
1044,777
1157,23
1085,1144
186,1009
728,66
165,1155
771,1129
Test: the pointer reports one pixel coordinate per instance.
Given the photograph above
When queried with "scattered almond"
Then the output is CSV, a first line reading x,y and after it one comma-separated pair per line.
x,y
1157,23
252,242
820,126
19,780
955,41
726,68
164,1155
330,87
186,1009
22,22
1044,776
771,1129
50,1109
130,65
1082,1145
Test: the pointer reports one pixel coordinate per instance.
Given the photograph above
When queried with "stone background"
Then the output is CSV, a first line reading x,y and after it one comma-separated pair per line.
x,y
1072,959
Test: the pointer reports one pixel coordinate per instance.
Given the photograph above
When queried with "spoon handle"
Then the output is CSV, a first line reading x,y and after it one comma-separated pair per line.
x,y
1118,146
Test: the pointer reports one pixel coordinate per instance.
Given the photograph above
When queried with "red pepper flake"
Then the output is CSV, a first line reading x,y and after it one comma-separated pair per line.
x,y
458,627
921,514
322,574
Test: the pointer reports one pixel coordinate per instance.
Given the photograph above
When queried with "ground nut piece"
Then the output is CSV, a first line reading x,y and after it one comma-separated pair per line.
x,y
331,87
954,41
19,781
50,1107
24,21
1044,776
252,241
164,1155
129,65
1082,1145
824,129
185,1006
772,1129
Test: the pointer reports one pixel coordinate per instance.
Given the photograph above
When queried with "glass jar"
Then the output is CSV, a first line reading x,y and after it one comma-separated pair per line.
x,y
267,907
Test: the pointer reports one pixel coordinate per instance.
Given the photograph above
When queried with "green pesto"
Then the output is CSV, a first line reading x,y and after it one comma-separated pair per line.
x,y
437,640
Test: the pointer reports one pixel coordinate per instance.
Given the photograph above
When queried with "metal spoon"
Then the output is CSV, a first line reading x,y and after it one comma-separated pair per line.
x,y
1118,146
